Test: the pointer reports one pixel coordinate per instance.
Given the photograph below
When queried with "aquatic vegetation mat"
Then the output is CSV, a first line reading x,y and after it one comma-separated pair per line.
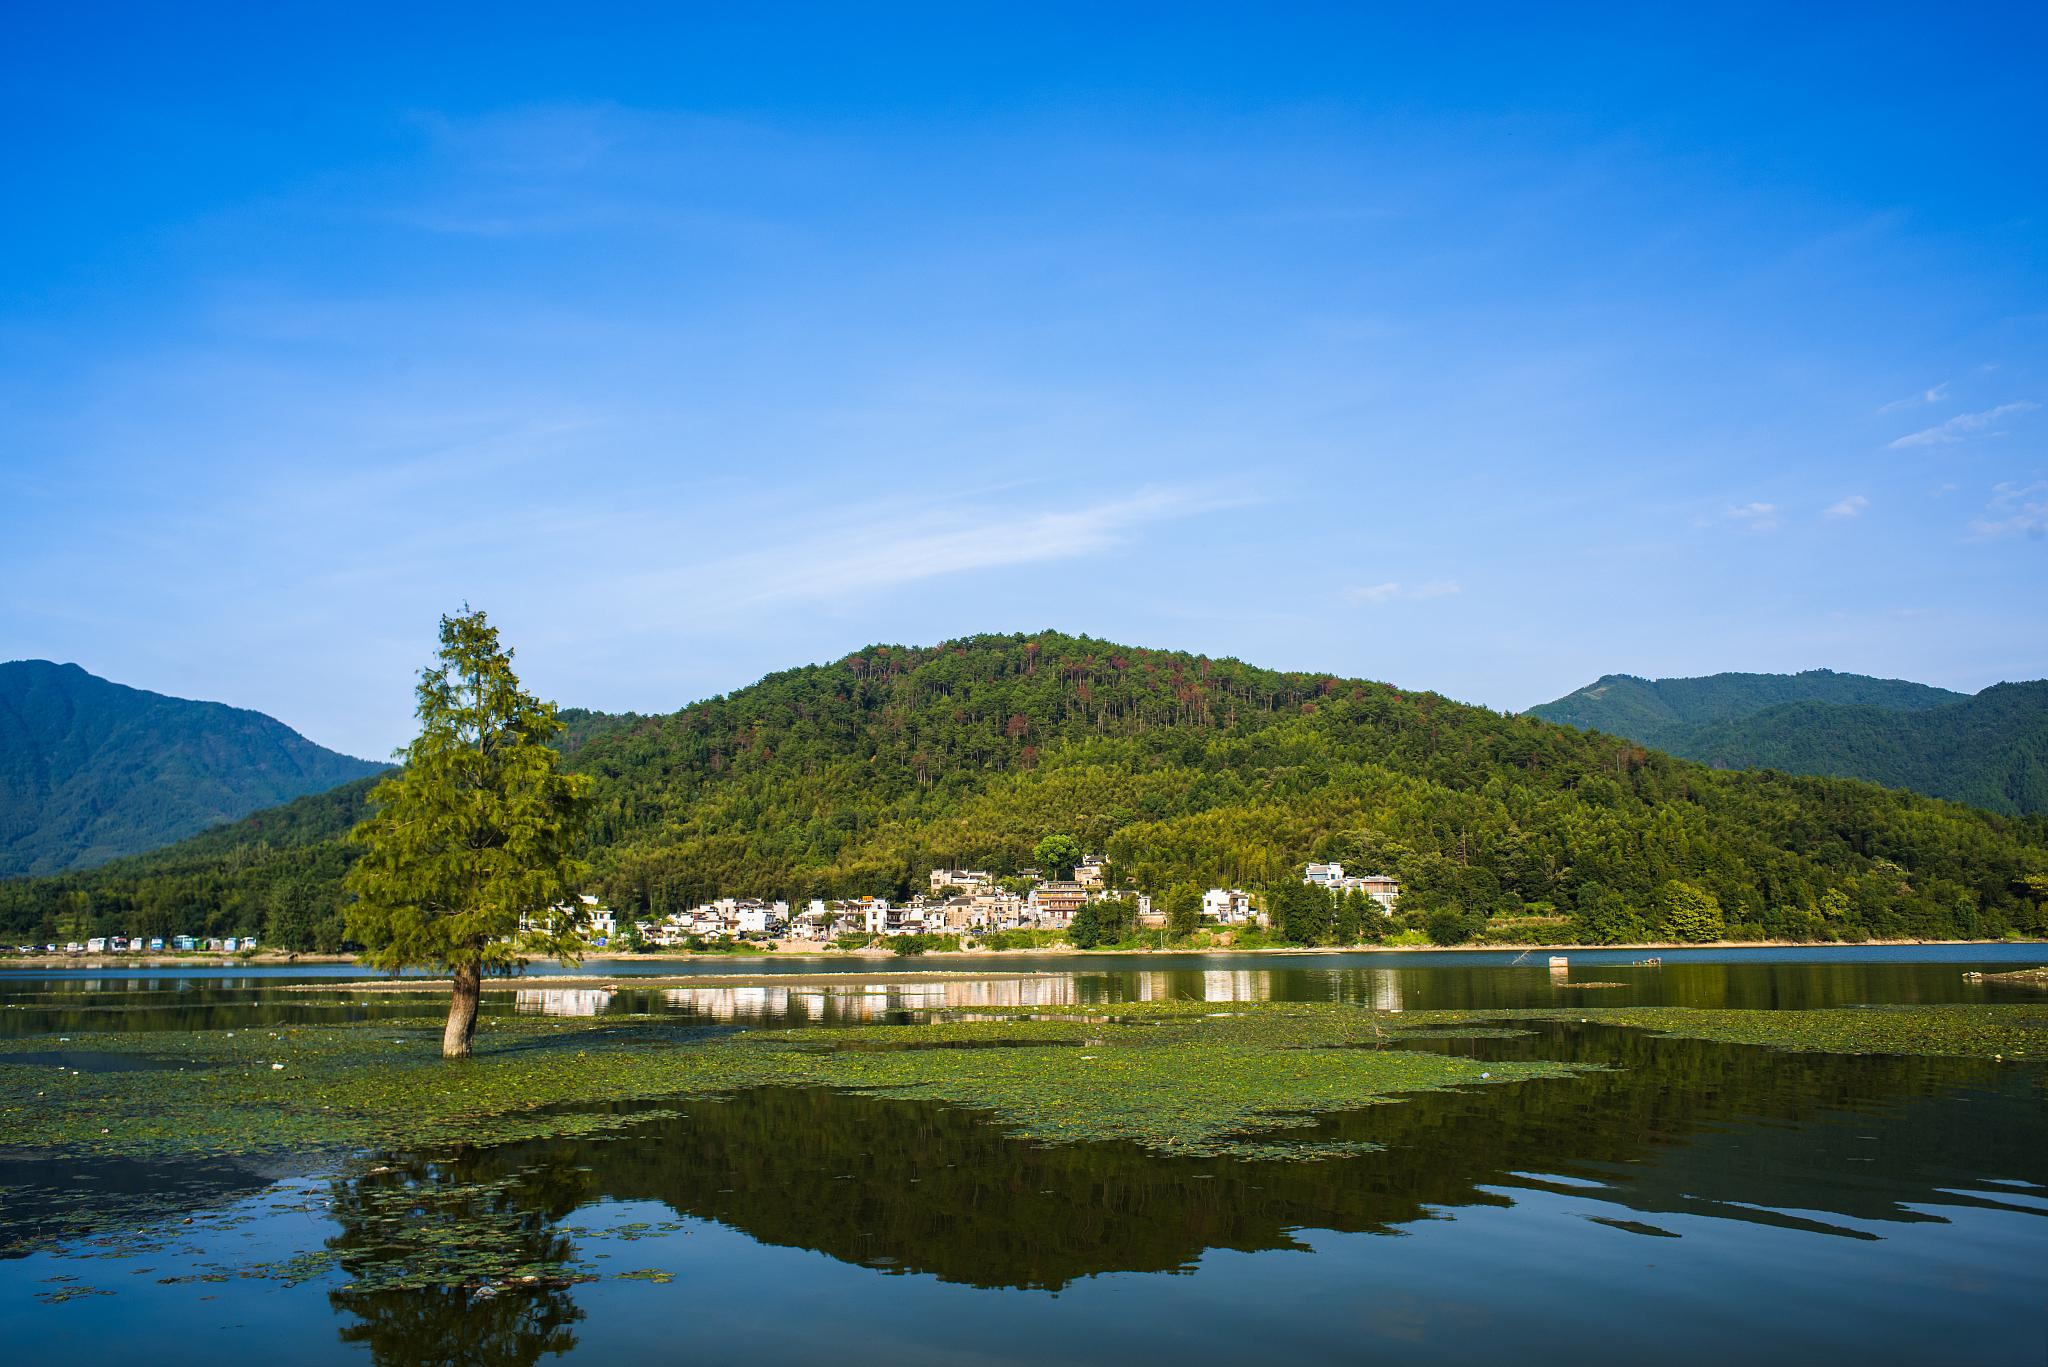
x,y
2007,1031
1184,1083
1178,1077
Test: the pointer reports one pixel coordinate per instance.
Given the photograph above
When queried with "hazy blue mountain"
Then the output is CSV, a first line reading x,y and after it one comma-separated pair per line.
x,y
1990,750
91,770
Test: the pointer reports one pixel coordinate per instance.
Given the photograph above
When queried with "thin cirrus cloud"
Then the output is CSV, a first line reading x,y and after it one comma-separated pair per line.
x,y
1926,396
1392,590
1756,517
841,570
1964,426
2014,510
1852,506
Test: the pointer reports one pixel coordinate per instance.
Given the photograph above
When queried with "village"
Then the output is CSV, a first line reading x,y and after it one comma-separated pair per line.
x,y
148,944
962,902
973,903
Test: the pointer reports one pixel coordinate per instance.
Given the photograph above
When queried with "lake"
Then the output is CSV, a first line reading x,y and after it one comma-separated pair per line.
x,y
1637,1196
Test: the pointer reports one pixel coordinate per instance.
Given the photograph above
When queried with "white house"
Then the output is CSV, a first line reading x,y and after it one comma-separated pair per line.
x,y
1229,906
762,918
1377,886
1324,875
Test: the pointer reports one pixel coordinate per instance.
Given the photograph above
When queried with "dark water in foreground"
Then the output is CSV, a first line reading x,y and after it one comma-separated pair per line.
x,y
1695,1202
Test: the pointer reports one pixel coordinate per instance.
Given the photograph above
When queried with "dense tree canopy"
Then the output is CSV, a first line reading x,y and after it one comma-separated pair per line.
x,y
1990,750
860,776
467,859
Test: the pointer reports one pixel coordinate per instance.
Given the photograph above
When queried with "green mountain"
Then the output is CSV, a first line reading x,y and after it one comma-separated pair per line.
x,y
1990,750
860,775
91,770
1665,713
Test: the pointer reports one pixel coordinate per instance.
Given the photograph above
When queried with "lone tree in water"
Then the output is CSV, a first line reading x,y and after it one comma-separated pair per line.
x,y
468,862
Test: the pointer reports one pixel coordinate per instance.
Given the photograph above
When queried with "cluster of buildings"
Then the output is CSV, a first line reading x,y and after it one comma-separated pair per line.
x,y
150,944
971,903
961,902
1332,878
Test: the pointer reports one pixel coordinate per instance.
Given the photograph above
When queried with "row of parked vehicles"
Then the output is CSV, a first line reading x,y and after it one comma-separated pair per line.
x,y
148,944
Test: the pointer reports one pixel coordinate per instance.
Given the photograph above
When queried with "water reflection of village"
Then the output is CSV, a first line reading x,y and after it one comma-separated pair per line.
x,y
864,1001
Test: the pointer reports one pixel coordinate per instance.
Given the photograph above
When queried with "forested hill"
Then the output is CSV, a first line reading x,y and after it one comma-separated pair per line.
x,y
91,770
1666,713
1990,750
860,775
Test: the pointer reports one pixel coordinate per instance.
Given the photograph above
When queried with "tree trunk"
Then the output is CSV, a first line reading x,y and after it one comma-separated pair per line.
x,y
462,1004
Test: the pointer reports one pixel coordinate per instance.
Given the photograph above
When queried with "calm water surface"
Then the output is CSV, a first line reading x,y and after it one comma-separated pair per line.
x,y
1692,1202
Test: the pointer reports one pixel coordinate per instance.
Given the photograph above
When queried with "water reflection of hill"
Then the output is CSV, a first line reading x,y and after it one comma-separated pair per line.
x,y
1679,1127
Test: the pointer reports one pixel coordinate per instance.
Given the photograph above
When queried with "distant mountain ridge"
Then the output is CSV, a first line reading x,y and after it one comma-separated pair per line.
x,y
92,770
1989,750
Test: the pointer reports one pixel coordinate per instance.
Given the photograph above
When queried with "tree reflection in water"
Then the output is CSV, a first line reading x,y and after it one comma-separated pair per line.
x,y
460,1258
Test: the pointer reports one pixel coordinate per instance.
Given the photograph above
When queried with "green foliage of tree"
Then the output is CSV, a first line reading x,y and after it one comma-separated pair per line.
x,y
1450,925
1118,918
1601,917
468,860
1693,914
1183,908
1057,855
1347,923
1300,912
1085,931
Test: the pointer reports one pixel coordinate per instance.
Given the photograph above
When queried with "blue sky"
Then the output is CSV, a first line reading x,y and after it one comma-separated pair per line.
x,y
1472,352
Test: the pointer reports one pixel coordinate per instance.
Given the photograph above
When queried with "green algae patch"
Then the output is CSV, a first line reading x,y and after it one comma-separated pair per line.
x,y
2012,1032
1178,1081
1181,1082
1191,1078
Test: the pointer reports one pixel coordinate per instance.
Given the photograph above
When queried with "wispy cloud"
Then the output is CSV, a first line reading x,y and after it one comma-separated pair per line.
x,y
1964,426
839,568
1756,517
1393,589
1925,396
1852,506
2014,510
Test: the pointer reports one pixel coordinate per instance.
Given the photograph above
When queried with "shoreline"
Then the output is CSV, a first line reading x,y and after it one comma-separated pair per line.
x,y
880,956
